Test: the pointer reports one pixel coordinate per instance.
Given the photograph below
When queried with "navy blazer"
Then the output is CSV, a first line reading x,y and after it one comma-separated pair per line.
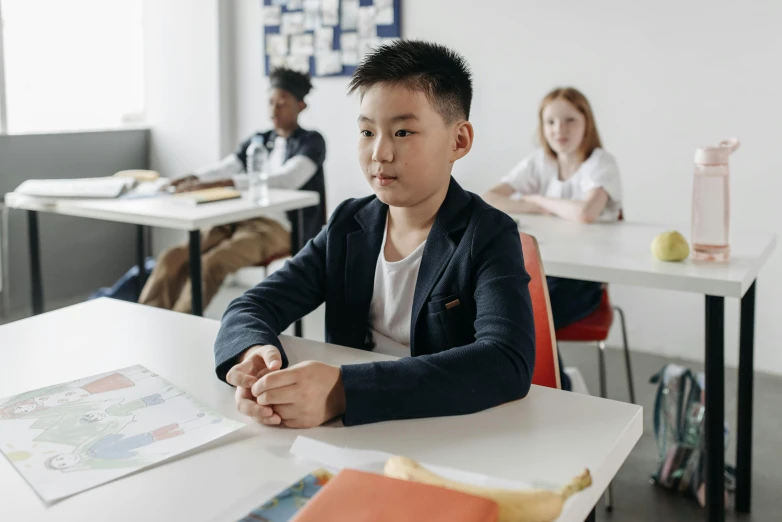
x,y
465,358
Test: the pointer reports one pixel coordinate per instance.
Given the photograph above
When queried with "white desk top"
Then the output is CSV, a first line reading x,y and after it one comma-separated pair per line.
x,y
162,211
620,253
549,437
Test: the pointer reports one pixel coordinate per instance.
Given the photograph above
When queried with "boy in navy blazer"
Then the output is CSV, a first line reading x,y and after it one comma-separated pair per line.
x,y
422,269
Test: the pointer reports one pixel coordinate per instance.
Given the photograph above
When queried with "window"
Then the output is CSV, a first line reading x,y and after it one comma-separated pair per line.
x,y
70,65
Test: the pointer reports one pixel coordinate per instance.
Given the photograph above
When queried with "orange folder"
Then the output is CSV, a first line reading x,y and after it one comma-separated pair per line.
x,y
357,496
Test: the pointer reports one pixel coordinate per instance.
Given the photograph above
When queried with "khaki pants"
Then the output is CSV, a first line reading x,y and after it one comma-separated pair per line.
x,y
224,250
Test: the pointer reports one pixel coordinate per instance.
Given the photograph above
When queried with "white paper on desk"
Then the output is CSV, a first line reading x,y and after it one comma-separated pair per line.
x,y
366,22
349,15
335,458
146,189
106,187
70,437
271,15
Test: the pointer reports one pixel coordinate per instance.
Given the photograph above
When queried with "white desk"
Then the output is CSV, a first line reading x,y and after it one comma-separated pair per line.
x,y
620,253
548,437
161,211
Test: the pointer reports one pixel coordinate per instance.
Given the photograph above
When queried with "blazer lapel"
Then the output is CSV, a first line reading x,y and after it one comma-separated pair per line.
x,y
438,251
363,248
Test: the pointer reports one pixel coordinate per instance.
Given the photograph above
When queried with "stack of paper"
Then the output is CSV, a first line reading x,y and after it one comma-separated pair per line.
x,y
111,187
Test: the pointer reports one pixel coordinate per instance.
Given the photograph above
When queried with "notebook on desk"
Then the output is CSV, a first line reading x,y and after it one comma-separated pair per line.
x,y
212,195
358,496
107,187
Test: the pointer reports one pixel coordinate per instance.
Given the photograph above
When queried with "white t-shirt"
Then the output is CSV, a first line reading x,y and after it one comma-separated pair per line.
x,y
539,174
391,309
291,174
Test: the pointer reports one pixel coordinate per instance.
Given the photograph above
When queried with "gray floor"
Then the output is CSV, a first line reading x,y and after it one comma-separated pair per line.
x,y
635,499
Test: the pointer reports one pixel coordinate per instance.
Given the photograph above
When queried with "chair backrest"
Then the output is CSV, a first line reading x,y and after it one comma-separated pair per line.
x,y
546,362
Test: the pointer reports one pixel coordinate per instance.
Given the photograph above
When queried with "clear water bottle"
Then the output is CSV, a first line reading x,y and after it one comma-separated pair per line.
x,y
711,202
257,171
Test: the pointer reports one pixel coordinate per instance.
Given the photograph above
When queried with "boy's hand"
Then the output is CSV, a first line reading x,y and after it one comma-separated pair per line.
x,y
253,364
304,395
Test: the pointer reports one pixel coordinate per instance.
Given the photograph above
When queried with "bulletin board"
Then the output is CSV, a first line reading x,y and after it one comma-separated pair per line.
x,y
326,37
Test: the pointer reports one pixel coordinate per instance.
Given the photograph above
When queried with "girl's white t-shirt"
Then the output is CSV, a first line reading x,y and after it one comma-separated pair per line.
x,y
539,174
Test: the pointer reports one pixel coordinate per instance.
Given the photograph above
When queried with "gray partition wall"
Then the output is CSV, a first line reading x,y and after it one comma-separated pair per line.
x,y
78,255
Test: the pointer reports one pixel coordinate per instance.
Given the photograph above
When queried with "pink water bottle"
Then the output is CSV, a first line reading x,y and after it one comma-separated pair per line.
x,y
711,202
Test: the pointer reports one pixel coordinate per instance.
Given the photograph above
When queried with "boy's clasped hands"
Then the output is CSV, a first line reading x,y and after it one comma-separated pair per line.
x,y
303,395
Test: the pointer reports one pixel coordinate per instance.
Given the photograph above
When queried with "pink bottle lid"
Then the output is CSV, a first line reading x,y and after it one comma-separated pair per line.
x,y
716,155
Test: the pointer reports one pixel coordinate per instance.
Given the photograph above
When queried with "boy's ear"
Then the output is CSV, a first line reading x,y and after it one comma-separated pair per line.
x,y
462,143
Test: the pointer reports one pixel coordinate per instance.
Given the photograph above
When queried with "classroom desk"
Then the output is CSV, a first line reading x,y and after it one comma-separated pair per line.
x,y
161,211
619,252
546,438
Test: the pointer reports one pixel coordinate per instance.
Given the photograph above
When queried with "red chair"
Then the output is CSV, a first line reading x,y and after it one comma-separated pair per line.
x,y
594,328
546,362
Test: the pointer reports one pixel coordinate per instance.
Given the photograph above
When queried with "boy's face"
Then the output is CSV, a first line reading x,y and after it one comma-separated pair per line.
x,y
406,149
284,109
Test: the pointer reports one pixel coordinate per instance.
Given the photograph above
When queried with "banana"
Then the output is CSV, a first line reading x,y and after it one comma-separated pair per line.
x,y
515,506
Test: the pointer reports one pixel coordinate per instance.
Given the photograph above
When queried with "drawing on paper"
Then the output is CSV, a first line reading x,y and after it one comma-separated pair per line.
x,y
71,437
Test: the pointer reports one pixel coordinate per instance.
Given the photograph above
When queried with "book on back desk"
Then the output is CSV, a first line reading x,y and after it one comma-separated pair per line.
x,y
212,195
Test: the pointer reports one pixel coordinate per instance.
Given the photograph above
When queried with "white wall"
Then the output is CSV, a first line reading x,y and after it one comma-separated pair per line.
x,y
663,78
184,105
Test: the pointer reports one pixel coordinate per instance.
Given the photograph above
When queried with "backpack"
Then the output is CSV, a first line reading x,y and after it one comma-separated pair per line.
x,y
679,410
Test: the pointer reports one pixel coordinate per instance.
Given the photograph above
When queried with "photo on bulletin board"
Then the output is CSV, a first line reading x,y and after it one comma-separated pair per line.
x,y
326,37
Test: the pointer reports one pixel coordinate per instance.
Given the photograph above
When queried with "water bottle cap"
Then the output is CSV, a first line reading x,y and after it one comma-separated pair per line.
x,y
716,155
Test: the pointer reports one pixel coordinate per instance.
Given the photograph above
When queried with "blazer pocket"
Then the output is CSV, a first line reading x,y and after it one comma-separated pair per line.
x,y
439,304
448,314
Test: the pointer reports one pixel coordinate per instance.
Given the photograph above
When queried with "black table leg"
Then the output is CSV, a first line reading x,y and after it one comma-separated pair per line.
x,y
140,255
715,408
195,271
36,282
745,414
298,326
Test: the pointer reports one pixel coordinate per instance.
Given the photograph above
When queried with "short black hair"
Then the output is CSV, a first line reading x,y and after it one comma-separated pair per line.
x,y
294,82
440,73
